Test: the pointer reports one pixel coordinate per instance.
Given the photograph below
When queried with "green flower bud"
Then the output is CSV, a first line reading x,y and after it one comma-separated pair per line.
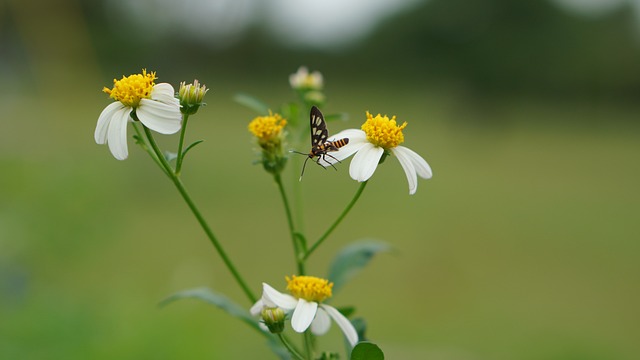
x,y
191,96
273,318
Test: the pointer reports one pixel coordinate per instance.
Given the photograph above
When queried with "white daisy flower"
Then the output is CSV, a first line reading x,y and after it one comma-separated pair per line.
x,y
153,104
378,137
307,307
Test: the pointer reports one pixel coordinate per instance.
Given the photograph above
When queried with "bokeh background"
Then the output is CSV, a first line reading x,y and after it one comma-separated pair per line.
x,y
524,245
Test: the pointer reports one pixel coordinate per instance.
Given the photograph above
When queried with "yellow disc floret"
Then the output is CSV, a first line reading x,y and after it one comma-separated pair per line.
x,y
131,89
383,132
267,128
309,288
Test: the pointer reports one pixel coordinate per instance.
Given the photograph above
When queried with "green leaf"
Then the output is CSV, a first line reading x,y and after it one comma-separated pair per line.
x,y
252,103
186,150
367,351
352,258
209,296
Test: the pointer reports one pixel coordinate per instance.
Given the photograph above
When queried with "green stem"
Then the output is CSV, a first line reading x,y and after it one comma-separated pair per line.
x,y
308,343
287,209
290,348
196,212
180,155
337,222
146,148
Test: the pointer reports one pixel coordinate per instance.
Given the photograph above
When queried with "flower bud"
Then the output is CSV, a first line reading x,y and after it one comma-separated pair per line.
x,y
273,318
191,96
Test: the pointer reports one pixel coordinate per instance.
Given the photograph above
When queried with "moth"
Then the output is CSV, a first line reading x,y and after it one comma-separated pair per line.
x,y
320,147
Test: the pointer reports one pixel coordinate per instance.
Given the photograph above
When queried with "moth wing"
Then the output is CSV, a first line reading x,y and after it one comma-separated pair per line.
x,y
319,132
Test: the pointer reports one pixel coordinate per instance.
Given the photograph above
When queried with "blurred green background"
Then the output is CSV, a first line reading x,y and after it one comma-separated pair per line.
x,y
524,245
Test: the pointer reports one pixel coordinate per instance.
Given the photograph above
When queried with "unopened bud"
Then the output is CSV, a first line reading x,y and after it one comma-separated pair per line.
x,y
273,318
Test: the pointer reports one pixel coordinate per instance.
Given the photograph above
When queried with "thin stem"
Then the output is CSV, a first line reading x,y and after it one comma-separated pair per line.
x,y
196,212
308,344
214,240
287,209
290,348
146,148
338,220
159,156
180,155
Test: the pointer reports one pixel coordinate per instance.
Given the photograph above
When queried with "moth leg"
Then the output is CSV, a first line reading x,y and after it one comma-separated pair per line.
x,y
321,156
329,155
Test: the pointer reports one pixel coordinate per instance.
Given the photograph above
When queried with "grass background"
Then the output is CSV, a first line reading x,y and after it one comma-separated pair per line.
x,y
524,245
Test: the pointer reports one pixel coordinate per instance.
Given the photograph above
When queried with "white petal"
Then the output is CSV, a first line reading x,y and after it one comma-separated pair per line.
x,y
352,134
345,325
321,323
164,92
256,308
273,296
104,119
303,315
117,133
422,168
409,170
159,117
365,162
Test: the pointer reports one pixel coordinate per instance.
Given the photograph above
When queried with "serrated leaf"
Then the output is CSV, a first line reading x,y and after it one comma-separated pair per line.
x,y
252,103
351,259
210,297
367,351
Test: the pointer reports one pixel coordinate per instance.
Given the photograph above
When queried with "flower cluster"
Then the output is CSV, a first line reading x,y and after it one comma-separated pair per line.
x,y
157,108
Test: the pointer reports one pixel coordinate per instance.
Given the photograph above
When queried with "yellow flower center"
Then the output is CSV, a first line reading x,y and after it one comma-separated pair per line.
x,y
131,89
309,288
267,128
383,132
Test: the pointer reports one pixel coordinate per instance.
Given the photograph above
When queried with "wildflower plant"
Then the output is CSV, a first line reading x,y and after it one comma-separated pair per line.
x,y
304,308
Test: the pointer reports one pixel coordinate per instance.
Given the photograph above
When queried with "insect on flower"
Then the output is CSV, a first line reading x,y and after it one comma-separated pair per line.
x,y
320,147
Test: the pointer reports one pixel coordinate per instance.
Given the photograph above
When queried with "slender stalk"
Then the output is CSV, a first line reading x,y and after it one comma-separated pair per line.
x,y
308,343
287,209
290,348
151,153
180,155
214,241
196,212
337,222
